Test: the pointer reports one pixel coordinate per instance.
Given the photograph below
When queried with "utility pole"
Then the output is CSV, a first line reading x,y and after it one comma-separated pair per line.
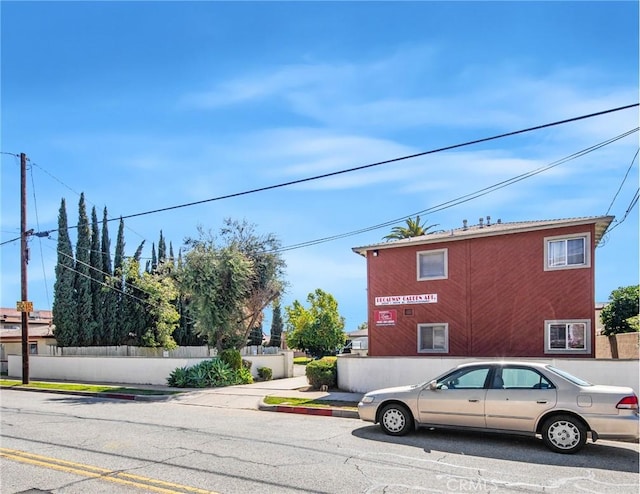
x,y
24,306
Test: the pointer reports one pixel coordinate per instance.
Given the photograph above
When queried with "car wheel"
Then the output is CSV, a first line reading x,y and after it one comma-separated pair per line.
x,y
564,434
395,420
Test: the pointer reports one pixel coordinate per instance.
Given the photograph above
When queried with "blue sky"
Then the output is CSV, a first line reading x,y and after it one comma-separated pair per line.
x,y
147,105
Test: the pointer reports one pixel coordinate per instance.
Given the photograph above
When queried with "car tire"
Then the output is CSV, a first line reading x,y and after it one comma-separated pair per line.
x,y
564,434
395,420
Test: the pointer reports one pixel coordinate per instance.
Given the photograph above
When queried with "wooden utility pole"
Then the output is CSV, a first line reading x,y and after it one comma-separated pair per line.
x,y
24,306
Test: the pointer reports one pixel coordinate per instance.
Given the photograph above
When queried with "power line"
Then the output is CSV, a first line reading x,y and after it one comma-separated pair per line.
x,y
35,202
385,162
464,198
632,204
370,165
623,181
125,283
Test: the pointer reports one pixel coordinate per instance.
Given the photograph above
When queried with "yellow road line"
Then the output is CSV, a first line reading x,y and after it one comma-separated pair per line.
x,y
102,473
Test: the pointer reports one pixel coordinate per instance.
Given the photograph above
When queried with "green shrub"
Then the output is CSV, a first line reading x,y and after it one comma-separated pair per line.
x,y
179,377
302,360
232,357
243,376
214,373
265,373
323,372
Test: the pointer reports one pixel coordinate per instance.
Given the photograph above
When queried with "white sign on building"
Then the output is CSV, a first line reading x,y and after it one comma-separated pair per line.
x,y
425,298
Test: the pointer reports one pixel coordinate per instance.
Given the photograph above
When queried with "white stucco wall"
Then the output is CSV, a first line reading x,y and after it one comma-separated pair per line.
x,y
362,374
129,370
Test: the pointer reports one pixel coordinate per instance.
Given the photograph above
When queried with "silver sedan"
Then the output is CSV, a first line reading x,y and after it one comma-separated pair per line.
x,y
509,397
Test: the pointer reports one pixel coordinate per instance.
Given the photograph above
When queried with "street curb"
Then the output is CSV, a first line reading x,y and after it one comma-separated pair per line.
x,y
93,394
326,412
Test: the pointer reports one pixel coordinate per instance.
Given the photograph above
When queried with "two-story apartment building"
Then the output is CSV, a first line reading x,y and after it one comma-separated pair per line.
x,y
523,289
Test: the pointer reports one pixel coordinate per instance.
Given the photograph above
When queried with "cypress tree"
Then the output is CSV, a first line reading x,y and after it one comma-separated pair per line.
x,y
162,249
119,335
255,336
64,301
86,324
97,280
276,325
154,259
110,296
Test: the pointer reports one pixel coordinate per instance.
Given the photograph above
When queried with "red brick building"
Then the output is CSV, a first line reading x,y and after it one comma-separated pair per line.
x,y
522,289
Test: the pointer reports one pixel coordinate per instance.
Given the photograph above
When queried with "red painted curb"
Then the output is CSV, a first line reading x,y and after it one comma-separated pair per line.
x,y
327,412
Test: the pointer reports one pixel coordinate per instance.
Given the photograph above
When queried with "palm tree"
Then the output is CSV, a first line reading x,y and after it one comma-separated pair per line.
x,y
413,229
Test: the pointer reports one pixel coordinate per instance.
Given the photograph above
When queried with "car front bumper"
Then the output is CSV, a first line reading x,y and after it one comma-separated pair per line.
x,y
367,411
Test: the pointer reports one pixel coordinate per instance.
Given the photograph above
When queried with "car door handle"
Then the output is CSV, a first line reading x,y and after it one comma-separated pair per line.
x,y
541,402
473,400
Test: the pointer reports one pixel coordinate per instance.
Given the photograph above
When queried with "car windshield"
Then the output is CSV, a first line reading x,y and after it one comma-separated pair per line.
x,y
569,377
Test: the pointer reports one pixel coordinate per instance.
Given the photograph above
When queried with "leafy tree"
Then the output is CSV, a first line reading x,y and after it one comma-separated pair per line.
x,y
230,285
64,301
160,292
276,325
617,316
318,330
136,316
86,323
266,282
217,281
97,280
413,228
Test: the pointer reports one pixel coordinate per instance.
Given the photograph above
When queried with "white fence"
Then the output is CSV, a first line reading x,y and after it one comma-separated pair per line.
x,y
362,374
201,351
355,373
130,370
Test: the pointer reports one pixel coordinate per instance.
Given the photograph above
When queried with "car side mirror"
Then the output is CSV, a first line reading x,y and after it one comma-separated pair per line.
x,y
433,385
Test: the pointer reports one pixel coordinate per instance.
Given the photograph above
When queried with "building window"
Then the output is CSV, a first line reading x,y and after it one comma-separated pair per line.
x,y
33,348
432,265
433,338
567,336
568,252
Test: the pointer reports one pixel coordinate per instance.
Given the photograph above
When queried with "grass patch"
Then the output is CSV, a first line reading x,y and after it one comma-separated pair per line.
x,y
91,388
308,402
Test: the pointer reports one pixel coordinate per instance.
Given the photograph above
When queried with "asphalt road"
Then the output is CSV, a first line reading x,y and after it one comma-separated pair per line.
x,y
71,444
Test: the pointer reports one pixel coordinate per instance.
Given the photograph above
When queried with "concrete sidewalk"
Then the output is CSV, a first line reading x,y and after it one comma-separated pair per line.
x,y
241,397
251,397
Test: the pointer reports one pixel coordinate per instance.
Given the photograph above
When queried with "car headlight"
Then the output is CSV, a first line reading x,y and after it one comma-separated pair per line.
x,y
367,399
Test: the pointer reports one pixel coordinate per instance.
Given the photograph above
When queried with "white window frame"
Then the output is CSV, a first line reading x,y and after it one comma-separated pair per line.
x,y
433,326
560,238
567,348
445,257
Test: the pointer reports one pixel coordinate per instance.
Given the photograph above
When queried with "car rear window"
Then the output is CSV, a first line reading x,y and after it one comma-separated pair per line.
x,y
569,377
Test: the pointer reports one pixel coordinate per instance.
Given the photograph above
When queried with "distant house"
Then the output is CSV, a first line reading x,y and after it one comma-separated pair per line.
x,y
357,342
40,333
522,289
